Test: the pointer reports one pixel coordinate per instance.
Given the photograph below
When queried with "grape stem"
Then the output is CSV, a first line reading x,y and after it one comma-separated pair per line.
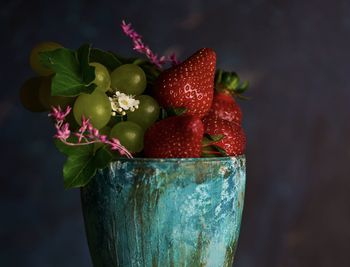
x,y
86,134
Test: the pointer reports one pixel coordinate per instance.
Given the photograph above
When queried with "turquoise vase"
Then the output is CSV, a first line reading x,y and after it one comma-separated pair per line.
x,y
165,212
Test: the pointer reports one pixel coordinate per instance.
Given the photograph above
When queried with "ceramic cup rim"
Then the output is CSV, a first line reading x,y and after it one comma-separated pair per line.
x,y
213,159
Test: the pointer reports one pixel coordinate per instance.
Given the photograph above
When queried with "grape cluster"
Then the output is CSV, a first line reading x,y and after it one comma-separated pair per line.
x,y
129,79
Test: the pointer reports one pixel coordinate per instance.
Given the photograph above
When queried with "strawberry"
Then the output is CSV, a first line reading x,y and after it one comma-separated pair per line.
x,y
226,108
227,87
174,137
188,85
234,140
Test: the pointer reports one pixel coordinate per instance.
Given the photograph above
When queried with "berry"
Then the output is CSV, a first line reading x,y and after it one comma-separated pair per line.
x,y
174,137
129,79
226,108
234,140
95,106
188,85
146,113
29,95
129,134
35,61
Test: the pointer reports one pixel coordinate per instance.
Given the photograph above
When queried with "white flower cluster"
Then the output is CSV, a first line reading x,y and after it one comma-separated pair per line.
x,y
121,102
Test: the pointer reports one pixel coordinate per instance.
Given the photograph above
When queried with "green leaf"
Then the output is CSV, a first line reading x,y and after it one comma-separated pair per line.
x,y
78,168
139,61
123,60
103,157
87,71
72,77
105,58
82,162
151,71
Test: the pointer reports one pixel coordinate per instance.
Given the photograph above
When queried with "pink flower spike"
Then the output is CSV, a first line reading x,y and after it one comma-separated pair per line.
x,y
95,132
140,47
80,136
68,110
103,138
86,134
115,142
58,114
63,133
85,124
126,28
162,59
54,112
174,61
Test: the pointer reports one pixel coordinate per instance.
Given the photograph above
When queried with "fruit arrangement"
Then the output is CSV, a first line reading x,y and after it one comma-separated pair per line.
x,y
105,106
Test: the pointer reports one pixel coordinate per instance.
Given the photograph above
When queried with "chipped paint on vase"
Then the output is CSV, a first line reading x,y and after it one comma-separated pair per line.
x,y
165,212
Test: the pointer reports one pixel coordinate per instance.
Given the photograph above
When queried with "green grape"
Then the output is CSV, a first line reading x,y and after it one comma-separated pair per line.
x,y
129,79
147,112
35,62
29,95
102,77
47,100
104,131
95,106
129,134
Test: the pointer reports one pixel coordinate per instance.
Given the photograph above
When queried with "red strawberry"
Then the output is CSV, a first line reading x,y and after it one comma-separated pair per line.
x,y
174,137
188,85
234,140
226,108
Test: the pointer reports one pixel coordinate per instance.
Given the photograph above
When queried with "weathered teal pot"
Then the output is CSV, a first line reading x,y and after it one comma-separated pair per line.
x,y
165,212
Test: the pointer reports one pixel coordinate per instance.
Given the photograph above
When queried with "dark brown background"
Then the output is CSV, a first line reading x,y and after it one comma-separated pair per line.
x,y
296,55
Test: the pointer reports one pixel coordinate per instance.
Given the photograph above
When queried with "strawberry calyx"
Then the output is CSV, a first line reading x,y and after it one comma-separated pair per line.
x,y
209,149
169,112
176,111
213,151
211,139
229,83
